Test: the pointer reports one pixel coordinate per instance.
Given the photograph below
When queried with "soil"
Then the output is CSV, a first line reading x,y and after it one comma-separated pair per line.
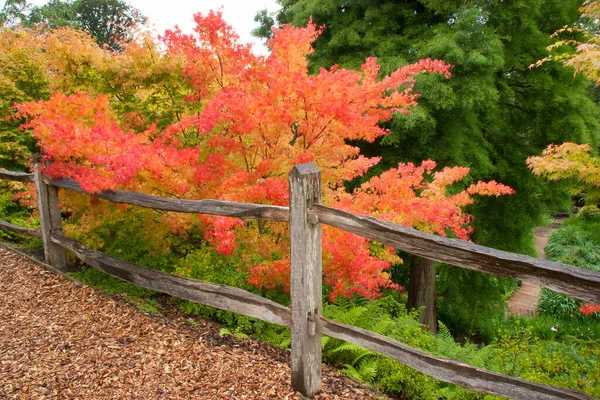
x,y
63,340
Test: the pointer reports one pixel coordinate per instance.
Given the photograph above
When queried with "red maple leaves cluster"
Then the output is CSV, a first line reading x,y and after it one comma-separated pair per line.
x,y
255,118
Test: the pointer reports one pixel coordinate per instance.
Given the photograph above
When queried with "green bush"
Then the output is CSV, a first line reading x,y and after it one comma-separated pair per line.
x,y
587,228
538,349
571,245
204,263
558,305
578,244
467,299
589,213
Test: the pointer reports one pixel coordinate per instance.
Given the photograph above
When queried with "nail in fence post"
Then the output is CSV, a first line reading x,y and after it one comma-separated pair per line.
x,y
306,275
50,220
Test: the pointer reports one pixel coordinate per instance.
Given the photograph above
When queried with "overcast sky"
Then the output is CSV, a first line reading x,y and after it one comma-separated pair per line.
x,y
165,14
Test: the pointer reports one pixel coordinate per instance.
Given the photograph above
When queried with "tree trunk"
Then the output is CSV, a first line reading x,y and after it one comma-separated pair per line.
x,y
421,290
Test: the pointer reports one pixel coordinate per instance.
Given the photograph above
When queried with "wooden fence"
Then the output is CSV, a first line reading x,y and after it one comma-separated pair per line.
x,y
304,316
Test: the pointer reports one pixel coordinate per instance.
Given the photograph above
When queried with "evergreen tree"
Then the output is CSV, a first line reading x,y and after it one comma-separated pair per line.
x,y
109,22
13,12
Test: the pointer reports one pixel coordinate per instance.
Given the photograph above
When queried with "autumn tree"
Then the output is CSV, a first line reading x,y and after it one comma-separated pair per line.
x,y
573,163
578,46
418,197
23,77
257,117
109,22
144,85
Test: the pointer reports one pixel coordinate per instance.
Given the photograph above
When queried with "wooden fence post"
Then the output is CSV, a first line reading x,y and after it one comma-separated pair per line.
x,y
306,279
50,220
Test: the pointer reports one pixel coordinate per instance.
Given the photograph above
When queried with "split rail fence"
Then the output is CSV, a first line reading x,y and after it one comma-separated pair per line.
x,y
304,316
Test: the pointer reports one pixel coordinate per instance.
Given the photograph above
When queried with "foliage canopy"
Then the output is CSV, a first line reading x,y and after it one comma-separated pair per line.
x,y
245,120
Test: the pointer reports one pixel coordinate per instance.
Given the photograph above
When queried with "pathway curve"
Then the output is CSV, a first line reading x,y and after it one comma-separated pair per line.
x,y
61,340
524,300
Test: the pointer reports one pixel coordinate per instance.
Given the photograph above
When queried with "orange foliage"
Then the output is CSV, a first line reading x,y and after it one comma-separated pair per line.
x,y
572,162
251,119
589,309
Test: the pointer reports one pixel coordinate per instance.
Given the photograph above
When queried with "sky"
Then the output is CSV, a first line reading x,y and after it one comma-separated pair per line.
x,y
165,14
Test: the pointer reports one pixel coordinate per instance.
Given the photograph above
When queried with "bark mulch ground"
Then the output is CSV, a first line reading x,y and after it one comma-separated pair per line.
x,y
61,340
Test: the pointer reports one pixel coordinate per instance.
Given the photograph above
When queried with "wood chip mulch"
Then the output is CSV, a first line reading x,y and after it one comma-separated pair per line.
x,y
60,340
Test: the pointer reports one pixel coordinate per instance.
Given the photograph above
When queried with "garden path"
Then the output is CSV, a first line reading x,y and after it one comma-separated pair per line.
x,y
59,340
524,300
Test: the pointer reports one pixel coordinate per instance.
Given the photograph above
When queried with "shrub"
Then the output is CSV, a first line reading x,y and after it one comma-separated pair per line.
x,y
574,244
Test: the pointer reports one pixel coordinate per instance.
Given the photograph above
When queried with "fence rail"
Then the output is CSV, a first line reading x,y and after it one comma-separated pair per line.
x,y
219,296
213,207
575,282
304,317
443,369
16,176
21,230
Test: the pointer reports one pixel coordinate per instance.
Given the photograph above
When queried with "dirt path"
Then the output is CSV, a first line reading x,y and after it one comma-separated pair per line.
x,y
59,340
525,300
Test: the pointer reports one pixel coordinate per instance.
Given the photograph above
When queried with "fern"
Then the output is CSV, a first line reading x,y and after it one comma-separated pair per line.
x,y
351,371
483,357
444,332
346,347
382,326
367,370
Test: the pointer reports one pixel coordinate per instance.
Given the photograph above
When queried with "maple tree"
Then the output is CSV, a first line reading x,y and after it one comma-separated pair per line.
x,y
144,85
250,119
418,197
572,162
583,38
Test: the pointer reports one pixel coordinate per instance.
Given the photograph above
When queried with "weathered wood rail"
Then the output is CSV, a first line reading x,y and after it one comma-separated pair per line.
x,y
306,215
21,230
213,207
16,176
575,282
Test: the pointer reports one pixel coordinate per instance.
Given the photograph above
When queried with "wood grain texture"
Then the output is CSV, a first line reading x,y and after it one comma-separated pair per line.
x,y
306,279
421,291
213,207
21,230
50,220
447,370
575,282
16,176
218,296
